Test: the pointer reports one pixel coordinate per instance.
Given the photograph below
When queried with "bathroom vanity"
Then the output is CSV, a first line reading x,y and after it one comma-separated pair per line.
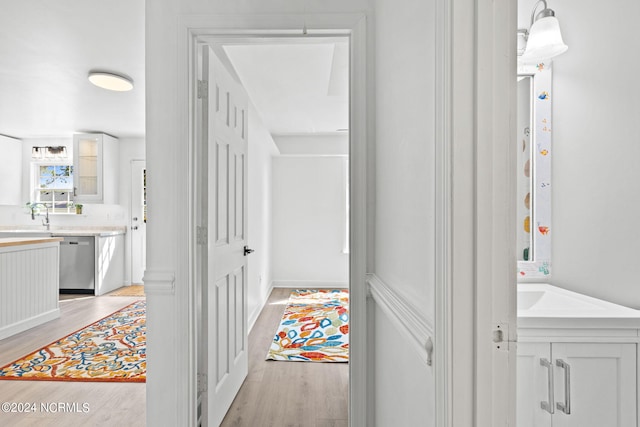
x,y
577,360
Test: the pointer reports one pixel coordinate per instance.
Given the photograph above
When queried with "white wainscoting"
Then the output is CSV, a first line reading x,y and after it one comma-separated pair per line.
x,y
404,316
29,277
159,282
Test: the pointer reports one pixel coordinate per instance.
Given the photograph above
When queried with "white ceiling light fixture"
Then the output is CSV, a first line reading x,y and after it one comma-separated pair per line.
x,y
111,81
544,40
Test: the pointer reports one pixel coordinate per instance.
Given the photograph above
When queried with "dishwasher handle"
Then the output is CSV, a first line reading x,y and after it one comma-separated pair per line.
x,y
75,243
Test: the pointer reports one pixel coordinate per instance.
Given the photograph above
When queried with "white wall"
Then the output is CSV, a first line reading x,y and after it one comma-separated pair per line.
x,y
313,144
404,205
309,221
261,149
596,238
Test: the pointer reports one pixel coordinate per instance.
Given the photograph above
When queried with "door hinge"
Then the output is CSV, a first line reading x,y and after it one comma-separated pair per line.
x,y
202,235
202,382
203,89
500,336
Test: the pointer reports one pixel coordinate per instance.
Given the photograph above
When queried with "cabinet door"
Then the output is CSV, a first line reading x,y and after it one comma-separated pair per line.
x,y
87,173
533,382
601,386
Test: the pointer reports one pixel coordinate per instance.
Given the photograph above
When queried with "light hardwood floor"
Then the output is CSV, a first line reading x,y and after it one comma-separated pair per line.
x,y
117,404
275,394
283,394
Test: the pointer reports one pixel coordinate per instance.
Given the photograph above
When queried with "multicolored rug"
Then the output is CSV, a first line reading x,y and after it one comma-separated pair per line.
x,y
111,349
128,291
314,327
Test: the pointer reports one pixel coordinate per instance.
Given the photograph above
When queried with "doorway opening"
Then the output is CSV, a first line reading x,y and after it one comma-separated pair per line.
x,y
138,223
271,158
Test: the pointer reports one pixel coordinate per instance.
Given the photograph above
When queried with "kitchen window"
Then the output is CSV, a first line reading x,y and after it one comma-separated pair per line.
x,y
53,187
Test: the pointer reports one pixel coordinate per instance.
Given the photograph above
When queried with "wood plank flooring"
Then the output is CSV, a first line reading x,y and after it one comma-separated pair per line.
x,y
287,394
118,404
275,394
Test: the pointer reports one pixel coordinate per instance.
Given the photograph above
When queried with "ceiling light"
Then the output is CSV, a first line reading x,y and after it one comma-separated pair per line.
x,y
544,39
111,81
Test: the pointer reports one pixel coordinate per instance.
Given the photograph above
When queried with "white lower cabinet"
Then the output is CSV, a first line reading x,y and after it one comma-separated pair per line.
x,y
575,384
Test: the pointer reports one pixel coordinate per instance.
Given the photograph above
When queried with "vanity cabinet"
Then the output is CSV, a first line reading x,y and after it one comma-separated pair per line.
x,y
577,384
95,168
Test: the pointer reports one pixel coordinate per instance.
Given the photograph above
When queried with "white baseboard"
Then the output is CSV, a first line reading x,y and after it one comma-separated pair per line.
x,y
253,316
309,284
29,323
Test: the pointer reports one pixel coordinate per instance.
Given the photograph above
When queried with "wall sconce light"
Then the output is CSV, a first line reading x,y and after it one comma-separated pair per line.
x,y
49,153
544,40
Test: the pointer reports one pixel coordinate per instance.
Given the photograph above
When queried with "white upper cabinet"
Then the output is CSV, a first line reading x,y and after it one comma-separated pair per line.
x,y
11,171
95,168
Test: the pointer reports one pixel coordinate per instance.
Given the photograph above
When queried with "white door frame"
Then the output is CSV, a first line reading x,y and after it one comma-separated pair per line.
x,y
201,28
479,292
475,217
133,182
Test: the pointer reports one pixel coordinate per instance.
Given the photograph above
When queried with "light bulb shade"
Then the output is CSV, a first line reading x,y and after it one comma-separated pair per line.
x,y
37,153
111,81
545,40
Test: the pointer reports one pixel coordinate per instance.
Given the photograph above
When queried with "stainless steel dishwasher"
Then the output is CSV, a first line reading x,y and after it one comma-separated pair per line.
x,y
77,265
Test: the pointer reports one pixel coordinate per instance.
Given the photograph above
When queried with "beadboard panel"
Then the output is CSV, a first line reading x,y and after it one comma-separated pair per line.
x,y
28,287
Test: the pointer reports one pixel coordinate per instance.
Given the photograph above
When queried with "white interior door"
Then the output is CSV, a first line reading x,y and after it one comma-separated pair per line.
x,y
227,237
138,220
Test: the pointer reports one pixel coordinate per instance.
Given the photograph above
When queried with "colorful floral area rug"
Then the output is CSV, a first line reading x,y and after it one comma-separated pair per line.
x,y
128,291
111,349
314,327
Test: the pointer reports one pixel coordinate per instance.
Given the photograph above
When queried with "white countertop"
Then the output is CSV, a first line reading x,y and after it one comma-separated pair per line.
x,y
541,305
21,241
67,231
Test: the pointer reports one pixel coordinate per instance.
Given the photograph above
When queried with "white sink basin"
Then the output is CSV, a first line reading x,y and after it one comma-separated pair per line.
x,y
544,305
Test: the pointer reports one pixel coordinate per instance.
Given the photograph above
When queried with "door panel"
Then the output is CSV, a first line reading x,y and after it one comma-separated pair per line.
x,y
227,218
602,388
238,225
240,315
222,314
222,191
533,385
